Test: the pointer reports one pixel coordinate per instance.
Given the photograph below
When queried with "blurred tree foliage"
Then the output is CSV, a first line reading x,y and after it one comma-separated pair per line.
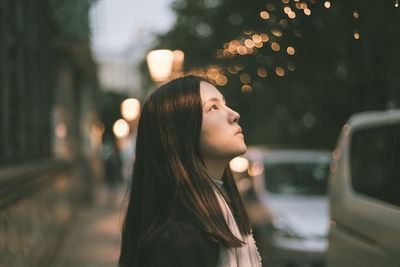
x,y
71,19
330,76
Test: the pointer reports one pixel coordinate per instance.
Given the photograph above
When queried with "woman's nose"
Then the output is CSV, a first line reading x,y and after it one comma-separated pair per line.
x,y
234,116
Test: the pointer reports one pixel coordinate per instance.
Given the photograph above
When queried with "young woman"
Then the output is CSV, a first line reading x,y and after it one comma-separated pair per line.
x,y
184,208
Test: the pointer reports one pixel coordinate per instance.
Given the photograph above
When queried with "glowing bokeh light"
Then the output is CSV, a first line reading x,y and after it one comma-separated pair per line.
x,y
221,80
256,38
249,43
275,46
212,73
121,128
290,50
242,50
264,15
226,53
277,33
287,9
262,72
239,164
258,45
280,71
246,88
130,109
160,64
307,12
327,4
245,78
264,37
256,168
233,45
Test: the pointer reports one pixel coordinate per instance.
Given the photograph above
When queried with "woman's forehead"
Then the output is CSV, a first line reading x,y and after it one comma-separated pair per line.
x,y
209,91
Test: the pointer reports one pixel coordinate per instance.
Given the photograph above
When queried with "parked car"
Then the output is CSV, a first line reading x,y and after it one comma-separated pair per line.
x,y
365,192
288,205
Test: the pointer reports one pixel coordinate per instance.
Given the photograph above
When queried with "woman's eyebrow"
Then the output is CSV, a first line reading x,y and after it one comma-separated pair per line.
x,y
214,99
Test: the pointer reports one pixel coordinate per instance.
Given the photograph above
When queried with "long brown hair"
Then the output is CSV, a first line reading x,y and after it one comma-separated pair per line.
x,y
169,175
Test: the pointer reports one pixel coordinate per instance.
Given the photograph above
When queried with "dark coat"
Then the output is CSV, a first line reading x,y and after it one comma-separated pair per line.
x,y
181,244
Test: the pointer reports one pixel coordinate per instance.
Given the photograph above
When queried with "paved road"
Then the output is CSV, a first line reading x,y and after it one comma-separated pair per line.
x,y
94,239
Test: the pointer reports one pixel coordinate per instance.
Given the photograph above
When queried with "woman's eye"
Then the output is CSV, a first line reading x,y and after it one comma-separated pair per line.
x,y
214,107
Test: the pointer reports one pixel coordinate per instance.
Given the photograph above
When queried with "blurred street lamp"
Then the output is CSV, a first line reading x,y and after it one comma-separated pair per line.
x,y
130,109
121,128
160,64
165,64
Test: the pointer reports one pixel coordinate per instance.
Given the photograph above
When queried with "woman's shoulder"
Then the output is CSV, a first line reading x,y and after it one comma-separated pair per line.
x,y
181,243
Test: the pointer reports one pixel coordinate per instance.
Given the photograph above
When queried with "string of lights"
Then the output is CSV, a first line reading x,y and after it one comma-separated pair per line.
x,y
281,22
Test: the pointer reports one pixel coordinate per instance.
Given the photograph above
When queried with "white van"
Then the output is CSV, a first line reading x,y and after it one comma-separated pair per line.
x,y
365,192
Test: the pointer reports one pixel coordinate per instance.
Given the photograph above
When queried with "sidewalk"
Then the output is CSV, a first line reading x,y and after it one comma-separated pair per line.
x,y
94,238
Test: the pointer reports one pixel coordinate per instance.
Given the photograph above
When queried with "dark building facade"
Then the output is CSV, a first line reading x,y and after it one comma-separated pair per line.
x,y
49,129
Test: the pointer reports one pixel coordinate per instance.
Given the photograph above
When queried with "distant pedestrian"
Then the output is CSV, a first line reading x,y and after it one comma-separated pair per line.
x,y
113,172
184,207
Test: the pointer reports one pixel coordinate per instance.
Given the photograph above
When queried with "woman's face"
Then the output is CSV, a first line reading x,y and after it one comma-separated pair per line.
x,y
221,136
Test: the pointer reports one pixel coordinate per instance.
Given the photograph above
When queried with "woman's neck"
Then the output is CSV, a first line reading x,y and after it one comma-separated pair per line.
x,y
215,168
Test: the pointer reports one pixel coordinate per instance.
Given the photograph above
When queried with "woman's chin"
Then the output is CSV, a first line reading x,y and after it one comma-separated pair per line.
x,y
240,150
243,150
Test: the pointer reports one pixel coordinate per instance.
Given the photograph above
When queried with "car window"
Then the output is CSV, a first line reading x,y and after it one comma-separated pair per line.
x,y
296,178
375,161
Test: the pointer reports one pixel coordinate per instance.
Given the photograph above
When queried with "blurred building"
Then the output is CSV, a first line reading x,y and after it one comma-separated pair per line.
x,y
50,134
118,72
